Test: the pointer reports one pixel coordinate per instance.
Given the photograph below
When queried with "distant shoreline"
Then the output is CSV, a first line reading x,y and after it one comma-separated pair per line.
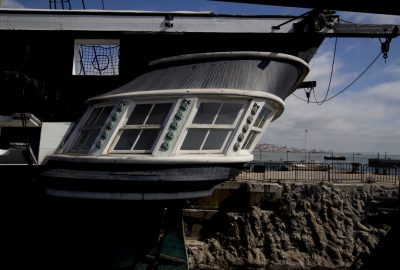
x,y
271,148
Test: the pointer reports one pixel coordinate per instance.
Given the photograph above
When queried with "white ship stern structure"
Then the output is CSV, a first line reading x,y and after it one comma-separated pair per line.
x,y
175,132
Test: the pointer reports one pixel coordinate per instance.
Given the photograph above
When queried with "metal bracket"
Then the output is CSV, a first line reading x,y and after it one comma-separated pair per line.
x,y
168,20
313,21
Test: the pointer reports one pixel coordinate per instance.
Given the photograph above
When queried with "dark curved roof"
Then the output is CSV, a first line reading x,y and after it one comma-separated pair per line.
x,y
273,73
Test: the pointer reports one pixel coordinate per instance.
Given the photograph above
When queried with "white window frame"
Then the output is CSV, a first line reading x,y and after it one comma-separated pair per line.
x,y
190,125
81,127
76,67
142,127
257,131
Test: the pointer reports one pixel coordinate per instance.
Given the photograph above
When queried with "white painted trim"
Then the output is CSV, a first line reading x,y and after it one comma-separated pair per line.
x,y
89,11
198,91
210,92
235,55
148,159
141,22
181,134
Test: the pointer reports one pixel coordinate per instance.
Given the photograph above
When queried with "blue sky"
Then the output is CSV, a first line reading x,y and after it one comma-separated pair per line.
x,y
365,118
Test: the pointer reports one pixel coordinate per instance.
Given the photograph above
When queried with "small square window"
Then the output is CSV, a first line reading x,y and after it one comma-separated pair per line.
x,y
96,57
127,139
194,139
142,128
216,139
228,113
85,140
146,139
250,139
90,130
262,118
212,126
206,113
139,114
158,114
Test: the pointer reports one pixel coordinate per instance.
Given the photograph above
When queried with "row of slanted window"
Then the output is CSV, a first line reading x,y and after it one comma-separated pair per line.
x,y
209,130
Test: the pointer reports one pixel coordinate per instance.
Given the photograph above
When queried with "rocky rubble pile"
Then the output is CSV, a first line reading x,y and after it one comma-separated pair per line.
x,y
313,226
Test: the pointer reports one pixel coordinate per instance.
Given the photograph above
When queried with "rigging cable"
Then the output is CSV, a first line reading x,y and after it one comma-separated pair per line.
x,y
330,77
385,45
347,87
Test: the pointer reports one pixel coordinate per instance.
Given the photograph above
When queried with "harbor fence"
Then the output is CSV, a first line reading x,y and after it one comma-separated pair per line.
x,y
303,171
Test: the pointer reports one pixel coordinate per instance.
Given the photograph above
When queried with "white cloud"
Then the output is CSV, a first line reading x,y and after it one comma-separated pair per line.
x,y
352,47
359,120
387,92
320,70
10,4
393,68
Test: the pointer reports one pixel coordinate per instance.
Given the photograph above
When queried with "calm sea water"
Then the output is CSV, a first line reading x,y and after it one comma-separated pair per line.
x,y
319,157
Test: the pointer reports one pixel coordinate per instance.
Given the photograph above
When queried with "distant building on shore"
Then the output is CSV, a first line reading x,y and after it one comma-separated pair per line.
x,y
276,148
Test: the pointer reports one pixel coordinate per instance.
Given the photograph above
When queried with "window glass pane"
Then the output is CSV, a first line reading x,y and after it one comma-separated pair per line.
x,y
158,113
206,113
127,139
215,139
91,138
85,140
228,113
194,139
139,114
146,139
83,135
103,116
262,117
93,116
249,140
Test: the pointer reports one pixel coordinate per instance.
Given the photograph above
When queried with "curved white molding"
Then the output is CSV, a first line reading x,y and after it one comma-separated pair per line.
x,y
197,91
235,55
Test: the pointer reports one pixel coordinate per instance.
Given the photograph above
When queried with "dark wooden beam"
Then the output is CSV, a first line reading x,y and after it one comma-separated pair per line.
x,y
364,30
